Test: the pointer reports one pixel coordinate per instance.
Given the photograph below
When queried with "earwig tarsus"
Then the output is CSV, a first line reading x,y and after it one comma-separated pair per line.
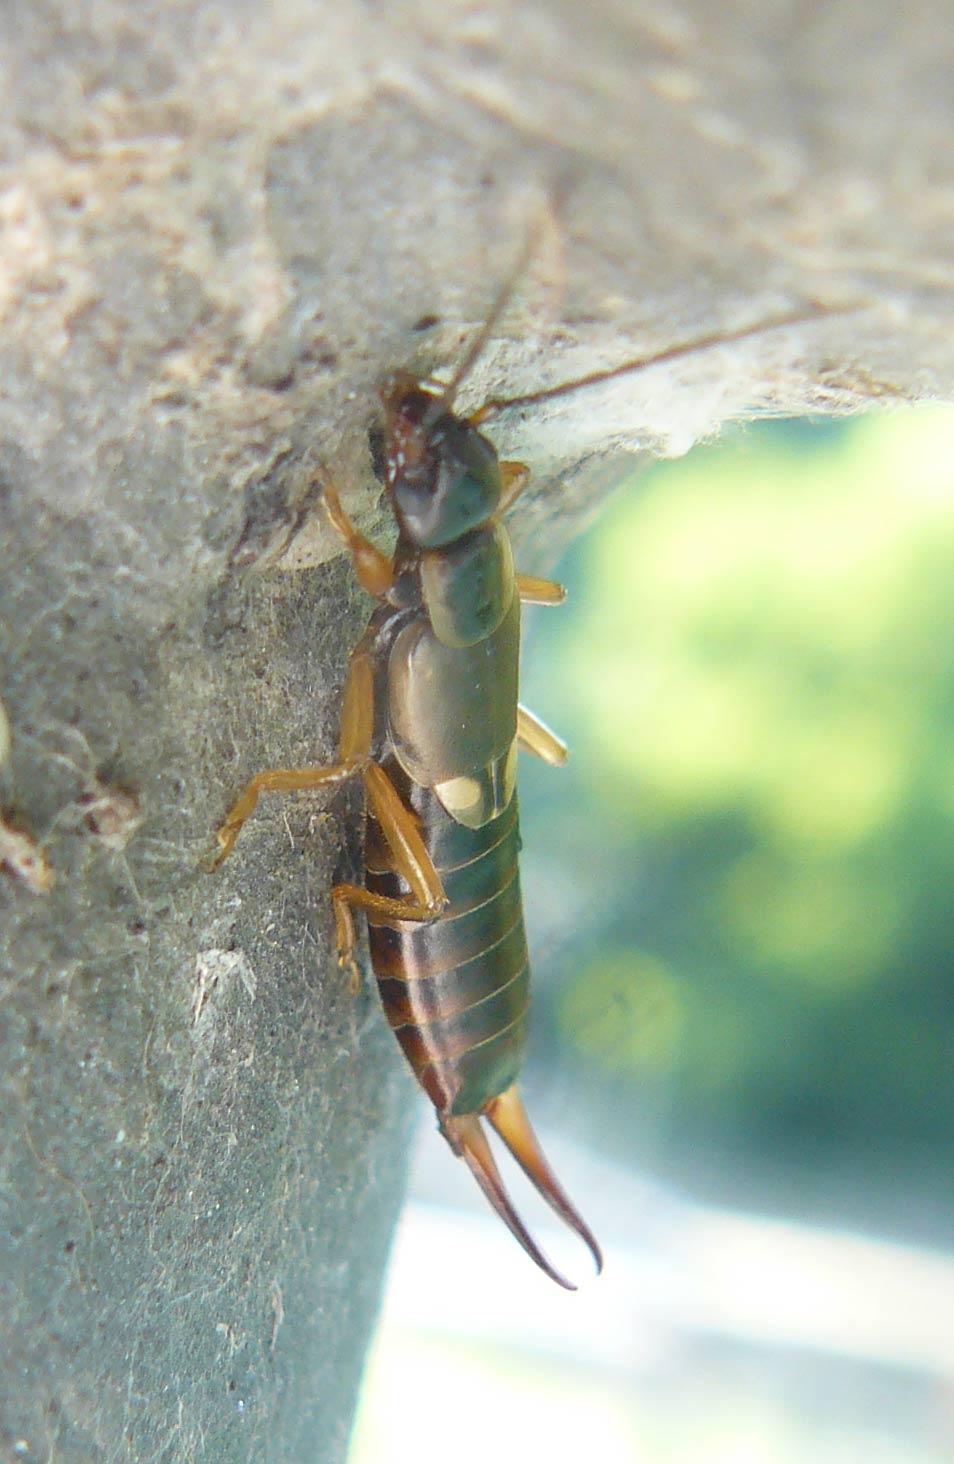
x,y
431,724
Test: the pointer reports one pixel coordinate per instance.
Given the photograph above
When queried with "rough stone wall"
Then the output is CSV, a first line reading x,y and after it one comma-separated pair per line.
x,y
221,226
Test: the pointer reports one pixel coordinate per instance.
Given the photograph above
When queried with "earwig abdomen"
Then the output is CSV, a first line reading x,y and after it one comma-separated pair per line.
x,y
456,992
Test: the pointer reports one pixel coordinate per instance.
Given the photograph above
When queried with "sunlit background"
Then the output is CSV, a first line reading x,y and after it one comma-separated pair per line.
x,y
739,903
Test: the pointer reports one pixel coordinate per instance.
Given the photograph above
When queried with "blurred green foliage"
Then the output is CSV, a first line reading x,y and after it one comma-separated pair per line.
x,y
742,887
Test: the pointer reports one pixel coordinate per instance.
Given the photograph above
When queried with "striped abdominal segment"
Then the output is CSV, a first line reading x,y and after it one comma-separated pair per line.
x,y
456,991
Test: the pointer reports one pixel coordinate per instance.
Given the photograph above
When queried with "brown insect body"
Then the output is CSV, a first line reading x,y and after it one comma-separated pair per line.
x,y
431,724
456,989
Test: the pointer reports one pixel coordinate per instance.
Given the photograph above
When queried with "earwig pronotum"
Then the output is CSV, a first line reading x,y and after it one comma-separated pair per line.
x,y
431,724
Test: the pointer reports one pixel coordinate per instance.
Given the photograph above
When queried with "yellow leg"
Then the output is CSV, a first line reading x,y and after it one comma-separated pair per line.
x,y
275,780
515,477
357,715
535,591
536,737
427,898
373,569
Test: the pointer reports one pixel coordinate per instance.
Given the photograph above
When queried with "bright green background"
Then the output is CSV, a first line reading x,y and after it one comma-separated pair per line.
x,y
740,889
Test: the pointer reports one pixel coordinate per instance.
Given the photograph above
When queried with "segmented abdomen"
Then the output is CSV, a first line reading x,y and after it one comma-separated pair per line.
x,y
456,992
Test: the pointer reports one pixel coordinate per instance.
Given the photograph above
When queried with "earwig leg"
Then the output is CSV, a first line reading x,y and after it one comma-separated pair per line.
x,y
348,897
357,716
536,737
345,938
535,591
411,856
412,861
373,569
514,477
357,710
275,780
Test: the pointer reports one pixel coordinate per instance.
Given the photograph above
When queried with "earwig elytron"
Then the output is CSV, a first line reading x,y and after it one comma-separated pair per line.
x,y
431,724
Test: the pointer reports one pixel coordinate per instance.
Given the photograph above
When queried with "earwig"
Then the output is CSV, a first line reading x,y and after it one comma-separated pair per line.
x,y
431,724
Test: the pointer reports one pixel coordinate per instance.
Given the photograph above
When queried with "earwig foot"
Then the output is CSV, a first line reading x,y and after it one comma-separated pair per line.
x,y
347,962
211,861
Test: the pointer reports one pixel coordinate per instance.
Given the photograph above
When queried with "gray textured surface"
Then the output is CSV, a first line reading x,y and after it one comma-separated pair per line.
x,y
220,226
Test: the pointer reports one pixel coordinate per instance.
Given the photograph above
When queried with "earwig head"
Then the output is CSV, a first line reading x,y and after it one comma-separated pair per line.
x,y
442,475
506,1114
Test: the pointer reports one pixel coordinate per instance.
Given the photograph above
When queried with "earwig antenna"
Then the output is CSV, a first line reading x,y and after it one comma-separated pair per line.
x,y
813,311
504,296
